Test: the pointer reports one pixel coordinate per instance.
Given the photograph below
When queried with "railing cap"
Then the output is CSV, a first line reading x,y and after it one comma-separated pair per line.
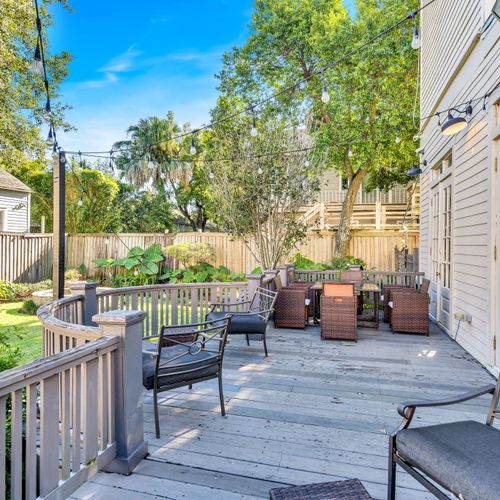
x,y
255,276
125,318
83,285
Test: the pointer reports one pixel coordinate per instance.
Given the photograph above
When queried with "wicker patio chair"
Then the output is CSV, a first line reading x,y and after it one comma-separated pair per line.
x,y
183,356
461,457
249,317
338,312
355,276
388,289
409,312
292,308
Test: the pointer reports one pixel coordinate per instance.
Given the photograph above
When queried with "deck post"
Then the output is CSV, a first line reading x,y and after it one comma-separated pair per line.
x,y
128,391
254,282
89,291
283,273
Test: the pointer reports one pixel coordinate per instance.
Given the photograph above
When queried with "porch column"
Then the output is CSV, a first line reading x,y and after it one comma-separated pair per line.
x,y
128,391
89,291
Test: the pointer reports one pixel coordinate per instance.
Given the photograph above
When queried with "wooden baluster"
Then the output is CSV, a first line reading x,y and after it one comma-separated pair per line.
x,y
49,434
194,305
16,447
174,302
110,364
76,417
103,398
90,413
3,407
65,423
31,451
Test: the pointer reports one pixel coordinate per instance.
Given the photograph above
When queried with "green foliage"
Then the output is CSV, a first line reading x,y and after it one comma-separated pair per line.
x,y
189,254
302,262
28,307
143,211
13,291
139,267
72,275
343,263
167,165
22,97
200,273
256,270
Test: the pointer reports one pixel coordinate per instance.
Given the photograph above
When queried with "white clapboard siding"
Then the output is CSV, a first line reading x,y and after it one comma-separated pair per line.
x,y
16,207
461,60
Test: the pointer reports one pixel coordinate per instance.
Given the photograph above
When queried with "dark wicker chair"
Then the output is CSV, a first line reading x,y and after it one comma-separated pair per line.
x,y
292,308
338,312
249,317
389,289
355,276
183,356
310,294
461,457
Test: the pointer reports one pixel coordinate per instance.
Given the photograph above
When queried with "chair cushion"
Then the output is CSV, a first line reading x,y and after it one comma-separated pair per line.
x,y
464,457
241,323
202,364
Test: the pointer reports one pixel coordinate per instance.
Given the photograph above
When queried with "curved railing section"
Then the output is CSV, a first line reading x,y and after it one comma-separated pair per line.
x,y
62,323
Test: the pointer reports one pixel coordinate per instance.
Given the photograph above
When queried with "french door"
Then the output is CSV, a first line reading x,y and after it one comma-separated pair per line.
x,y
495,276
441,244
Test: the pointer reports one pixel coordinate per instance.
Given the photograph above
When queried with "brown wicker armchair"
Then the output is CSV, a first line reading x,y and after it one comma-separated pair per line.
x,y
356,277
389,289
338,312
292,308
409,311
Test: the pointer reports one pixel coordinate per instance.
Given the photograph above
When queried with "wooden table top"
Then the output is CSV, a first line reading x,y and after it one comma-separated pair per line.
x,y
366,287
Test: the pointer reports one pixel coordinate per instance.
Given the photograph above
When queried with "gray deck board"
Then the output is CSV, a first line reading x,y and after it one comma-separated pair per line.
x,y
313,411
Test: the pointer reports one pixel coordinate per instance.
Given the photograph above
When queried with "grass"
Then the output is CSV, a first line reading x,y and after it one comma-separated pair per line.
x,y
21,330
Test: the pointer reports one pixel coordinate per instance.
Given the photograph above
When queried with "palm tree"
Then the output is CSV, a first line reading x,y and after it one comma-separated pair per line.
x,y
150,157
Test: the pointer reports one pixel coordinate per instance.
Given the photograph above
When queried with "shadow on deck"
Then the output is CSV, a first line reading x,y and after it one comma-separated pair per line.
x,y
312,411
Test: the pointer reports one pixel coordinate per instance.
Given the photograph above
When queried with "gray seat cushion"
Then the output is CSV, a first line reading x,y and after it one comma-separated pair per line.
x,y
464,457
184,369
241,323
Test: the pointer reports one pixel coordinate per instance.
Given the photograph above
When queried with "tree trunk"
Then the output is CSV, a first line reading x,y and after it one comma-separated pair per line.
x,y
343,235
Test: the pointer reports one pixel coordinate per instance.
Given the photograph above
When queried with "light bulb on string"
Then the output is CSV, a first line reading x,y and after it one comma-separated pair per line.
x,y
325,96
211,174
36,66
416,41
398,139
350,154
254,131
50,138
307,163
260,171
79,202
192,149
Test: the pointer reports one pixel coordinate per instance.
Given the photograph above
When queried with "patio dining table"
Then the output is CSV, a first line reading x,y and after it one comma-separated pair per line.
x,y
371,321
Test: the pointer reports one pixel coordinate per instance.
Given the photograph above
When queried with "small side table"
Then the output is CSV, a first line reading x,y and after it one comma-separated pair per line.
x,y
352,489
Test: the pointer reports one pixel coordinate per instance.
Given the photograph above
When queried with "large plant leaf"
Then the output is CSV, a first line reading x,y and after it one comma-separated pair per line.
x,y
104,262
135,252
149,268
130,263
153,250
201,277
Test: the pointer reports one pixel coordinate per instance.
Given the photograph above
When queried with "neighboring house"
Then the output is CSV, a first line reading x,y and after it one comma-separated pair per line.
x,y
373,209
460,189
15,204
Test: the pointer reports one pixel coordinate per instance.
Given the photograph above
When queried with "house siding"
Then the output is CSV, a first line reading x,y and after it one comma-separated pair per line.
x,y
18,220
460,63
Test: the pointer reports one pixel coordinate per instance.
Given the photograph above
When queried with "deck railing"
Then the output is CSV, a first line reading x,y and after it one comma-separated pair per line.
x,y
61,421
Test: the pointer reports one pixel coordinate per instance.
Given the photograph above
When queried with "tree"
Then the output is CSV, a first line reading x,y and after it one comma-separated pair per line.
x,y
150,158
22,93
258,190
372,94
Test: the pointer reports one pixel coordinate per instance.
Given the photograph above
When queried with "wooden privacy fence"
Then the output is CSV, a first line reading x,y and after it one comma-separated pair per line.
x,y
27,258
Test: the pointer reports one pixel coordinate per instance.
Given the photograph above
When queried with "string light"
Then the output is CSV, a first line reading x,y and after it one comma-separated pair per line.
x,y
398,139
254,131
416,41
307,163
211,174
79,202
325,96
350,154
260,171
50,138
192,149
36,65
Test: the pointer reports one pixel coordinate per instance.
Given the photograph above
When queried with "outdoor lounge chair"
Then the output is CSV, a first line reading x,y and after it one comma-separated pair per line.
x,y
184,356
388,289
461,457
338,312
292,308
249,317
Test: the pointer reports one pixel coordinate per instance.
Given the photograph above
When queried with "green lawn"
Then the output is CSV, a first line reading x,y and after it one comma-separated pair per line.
x,y
21,330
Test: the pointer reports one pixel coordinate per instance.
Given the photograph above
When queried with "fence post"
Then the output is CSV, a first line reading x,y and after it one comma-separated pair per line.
x,y
128,391
89,291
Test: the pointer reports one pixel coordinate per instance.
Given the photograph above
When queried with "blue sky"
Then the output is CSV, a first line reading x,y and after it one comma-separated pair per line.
x,y
138,59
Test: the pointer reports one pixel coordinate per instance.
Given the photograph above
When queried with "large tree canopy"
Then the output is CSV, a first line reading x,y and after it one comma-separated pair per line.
x,y
367,126
22,93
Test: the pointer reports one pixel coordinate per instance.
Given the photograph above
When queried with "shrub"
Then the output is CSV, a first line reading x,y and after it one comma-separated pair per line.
x,y
200,273
13,291
342,263
189,254
28,307
72,275
302,262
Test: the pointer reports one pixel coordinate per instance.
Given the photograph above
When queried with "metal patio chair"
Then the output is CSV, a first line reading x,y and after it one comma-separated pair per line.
x,y
183,356
461,457
249,317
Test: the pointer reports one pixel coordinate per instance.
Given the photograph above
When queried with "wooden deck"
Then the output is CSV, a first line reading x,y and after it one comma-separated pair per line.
x,y
313,411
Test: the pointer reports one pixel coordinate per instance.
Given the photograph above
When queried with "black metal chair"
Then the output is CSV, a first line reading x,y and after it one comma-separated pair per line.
x,y
249,317
461,457
183,356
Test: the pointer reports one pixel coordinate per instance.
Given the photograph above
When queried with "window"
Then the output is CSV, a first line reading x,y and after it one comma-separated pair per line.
x,y
345,183
3,220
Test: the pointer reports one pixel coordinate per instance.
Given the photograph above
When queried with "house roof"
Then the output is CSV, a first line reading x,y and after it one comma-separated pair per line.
x,y
10,183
